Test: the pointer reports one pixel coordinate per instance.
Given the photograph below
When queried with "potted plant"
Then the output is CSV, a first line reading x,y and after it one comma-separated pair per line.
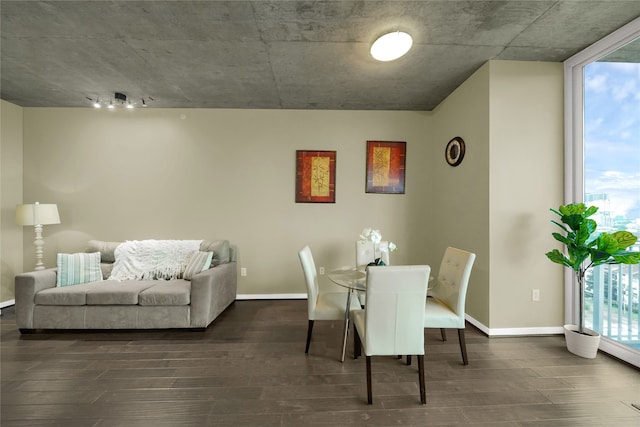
x,y
374,236
586,248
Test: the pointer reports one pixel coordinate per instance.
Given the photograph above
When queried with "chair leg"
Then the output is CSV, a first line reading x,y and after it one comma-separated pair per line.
x,y
357,344
423,389
369,393
444,334
463,346
309,330
408,359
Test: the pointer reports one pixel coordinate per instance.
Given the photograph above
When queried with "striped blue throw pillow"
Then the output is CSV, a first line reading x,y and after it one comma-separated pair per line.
x,y
74,269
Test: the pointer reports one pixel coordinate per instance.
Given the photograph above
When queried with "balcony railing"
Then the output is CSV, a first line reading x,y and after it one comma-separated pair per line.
x,y
611,302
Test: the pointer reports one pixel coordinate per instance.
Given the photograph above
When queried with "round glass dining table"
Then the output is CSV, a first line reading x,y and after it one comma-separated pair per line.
x,y
350,278
354,280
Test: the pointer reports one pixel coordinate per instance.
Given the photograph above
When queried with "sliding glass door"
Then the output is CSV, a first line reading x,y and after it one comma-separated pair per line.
x,y
612,182
603,168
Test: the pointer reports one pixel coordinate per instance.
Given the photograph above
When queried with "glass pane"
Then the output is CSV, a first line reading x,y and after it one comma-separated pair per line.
x,y
612,182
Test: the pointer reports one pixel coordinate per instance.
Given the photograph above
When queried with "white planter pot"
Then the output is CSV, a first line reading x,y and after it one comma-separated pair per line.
x,y
581,345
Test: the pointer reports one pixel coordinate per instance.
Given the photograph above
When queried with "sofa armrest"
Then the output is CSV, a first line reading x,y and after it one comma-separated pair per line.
x,y
212,291
27,285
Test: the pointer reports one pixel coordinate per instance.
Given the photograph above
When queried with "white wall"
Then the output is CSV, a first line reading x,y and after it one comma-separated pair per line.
x,y
10,195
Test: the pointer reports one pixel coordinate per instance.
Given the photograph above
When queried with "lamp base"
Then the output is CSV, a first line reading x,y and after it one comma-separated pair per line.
x,y
39,243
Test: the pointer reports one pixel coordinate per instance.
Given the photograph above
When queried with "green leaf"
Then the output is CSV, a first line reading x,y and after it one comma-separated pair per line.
x,y
625,239
590,211
577,255
627,258
562,239
572,209
607,243
574,221
599,257
566,230
578,209
584,231
559,258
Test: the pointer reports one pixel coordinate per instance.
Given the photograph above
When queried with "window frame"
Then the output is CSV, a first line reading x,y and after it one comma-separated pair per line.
x,y
574,157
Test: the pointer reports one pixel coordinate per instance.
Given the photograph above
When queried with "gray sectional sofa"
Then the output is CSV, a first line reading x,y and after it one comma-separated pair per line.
x,y
127,304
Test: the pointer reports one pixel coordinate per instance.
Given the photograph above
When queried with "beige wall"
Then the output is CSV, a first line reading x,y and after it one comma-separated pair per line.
x,y
496,203
526,179
10,196
139,174
460,204
165,173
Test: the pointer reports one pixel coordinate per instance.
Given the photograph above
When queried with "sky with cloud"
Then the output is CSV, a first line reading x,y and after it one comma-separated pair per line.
x,y
612,135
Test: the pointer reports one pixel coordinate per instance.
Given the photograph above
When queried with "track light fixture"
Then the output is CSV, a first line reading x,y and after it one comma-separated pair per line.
x,y
119,100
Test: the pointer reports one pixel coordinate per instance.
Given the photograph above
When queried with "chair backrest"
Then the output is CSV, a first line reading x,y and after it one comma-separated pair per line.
x,y
311,278
394,313
453,279
366,253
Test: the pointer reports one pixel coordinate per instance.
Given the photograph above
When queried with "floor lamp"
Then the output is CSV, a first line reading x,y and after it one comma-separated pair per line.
x,y
38,215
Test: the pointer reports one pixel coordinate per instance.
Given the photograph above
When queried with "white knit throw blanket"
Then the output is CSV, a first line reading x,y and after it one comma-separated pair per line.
x,y
152,259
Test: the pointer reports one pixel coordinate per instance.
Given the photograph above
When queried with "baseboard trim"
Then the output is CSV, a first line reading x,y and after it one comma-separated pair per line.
x,y
270,296
513,332
9,303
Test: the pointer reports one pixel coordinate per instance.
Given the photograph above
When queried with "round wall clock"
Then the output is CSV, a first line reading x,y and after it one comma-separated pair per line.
x,y
454,152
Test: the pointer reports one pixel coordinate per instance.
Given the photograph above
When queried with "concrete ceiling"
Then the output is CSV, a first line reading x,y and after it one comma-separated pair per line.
x,y
279,54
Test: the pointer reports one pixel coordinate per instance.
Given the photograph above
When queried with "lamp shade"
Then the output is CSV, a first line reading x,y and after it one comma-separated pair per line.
x,y
37,214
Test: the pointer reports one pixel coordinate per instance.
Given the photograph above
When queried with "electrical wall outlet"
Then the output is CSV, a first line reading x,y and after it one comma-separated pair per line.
x,y
535,295
321,270
243,271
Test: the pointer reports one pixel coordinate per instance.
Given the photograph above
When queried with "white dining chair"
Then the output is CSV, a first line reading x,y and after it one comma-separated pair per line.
x,y
391,322
445,307
367,252
321,305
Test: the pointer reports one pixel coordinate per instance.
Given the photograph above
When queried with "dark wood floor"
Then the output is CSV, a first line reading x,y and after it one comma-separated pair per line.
x,y
249,369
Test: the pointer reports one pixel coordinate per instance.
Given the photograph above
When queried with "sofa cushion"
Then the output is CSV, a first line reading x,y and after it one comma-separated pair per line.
x,y
107,268
66,295
107,249
220,249
115,292
198,262
74,269
170,292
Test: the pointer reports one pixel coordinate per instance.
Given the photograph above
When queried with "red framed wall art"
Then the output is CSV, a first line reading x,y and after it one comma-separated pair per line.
x,y
386,167
315,176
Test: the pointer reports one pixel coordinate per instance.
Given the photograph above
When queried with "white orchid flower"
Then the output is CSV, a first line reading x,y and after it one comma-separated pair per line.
x,y
365,234
376,236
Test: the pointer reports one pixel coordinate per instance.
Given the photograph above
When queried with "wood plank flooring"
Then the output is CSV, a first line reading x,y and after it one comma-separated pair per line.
x,y
249,369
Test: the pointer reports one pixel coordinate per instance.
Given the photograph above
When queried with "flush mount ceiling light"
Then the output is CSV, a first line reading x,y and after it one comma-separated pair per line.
x,y
391,46
119,100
